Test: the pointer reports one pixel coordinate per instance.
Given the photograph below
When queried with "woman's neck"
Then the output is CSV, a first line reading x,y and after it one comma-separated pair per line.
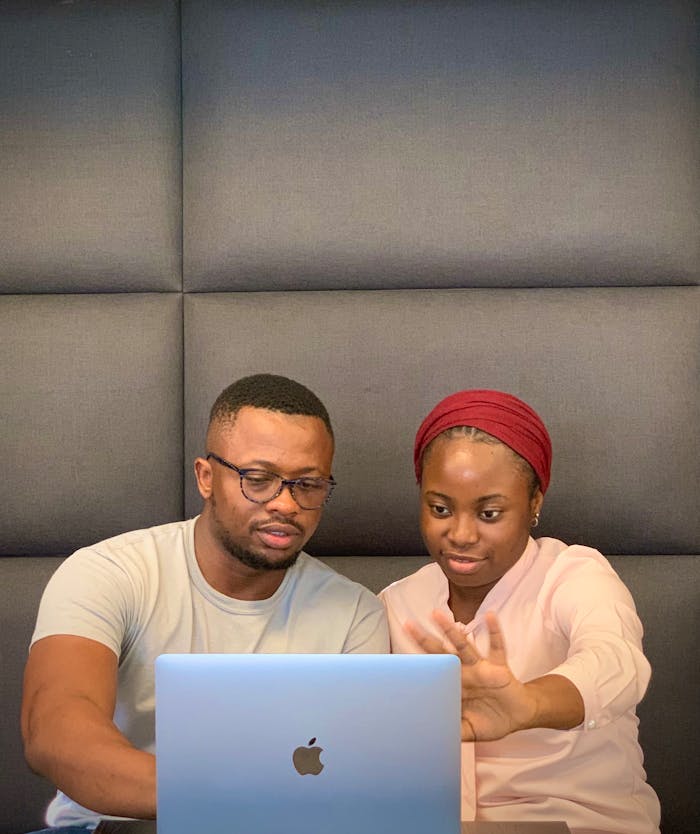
x,y
465,602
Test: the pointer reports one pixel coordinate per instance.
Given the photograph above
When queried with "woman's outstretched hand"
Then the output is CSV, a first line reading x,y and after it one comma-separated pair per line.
x,y
494,702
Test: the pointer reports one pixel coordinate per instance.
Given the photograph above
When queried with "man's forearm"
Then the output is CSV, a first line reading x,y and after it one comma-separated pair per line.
x,y
91,761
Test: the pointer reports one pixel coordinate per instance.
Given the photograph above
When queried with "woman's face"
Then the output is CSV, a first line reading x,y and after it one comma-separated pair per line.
x,y
476,510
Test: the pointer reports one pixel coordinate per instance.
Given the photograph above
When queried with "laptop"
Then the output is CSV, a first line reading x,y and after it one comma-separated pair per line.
x,y
308,744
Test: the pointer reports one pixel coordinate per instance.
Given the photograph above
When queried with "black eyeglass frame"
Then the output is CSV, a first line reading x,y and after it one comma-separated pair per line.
x,y
284,482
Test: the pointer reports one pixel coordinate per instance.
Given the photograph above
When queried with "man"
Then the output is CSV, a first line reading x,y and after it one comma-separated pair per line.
x,y
233,579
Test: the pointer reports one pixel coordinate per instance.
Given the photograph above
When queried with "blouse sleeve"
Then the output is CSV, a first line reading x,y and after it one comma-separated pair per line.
x,y
589,604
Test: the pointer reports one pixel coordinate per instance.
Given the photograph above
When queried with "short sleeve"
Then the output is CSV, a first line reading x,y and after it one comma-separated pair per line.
x,y
88,596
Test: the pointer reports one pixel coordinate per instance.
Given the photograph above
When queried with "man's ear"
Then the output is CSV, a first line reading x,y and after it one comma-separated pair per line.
x,y
203,474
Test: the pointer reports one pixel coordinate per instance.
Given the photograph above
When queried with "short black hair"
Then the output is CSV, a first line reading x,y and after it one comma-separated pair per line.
x,y
270,391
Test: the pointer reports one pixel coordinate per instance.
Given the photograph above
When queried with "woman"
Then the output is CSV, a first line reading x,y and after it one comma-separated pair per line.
x,y
550,642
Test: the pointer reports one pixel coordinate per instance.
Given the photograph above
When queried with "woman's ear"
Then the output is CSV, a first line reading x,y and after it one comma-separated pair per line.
x,y
536,503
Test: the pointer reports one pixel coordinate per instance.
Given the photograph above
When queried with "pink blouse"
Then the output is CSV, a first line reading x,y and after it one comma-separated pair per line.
x,y
562,610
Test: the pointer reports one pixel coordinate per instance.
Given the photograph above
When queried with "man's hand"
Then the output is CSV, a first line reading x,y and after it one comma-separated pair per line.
x,y
494,702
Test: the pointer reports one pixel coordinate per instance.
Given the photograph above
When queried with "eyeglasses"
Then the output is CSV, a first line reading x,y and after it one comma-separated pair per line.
x,y
260,486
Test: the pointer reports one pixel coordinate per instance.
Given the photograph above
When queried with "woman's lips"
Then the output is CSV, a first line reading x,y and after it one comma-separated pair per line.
x,y
463,564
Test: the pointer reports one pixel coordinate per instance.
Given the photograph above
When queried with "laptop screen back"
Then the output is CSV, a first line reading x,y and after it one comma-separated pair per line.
x,y
308,744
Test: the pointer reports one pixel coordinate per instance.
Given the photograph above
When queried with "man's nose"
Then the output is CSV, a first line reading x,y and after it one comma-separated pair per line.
x,y
284,503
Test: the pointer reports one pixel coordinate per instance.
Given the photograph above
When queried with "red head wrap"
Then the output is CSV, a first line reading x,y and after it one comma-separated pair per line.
x,y
503,416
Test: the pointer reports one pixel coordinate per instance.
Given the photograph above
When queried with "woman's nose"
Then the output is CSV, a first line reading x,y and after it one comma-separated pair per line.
x,y
464,531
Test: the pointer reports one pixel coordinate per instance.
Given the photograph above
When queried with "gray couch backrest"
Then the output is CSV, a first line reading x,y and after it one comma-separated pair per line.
x,y
388,202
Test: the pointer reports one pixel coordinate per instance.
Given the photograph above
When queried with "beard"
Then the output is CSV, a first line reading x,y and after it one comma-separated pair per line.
x,y
249,558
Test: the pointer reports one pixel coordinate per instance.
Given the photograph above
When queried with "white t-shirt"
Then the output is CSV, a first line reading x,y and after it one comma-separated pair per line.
x,y
562,610
142,594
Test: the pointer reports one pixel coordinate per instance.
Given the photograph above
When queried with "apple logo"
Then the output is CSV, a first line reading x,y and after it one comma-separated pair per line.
x,y
307,759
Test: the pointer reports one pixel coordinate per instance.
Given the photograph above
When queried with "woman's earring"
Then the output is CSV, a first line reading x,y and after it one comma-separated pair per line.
x,y
535,521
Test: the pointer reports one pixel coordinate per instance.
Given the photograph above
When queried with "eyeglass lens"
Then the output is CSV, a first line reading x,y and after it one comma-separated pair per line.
x,y
309,493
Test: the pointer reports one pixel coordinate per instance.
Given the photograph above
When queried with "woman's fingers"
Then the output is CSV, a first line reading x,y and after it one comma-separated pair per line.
x,y
428,642
497,646
464,648
457,642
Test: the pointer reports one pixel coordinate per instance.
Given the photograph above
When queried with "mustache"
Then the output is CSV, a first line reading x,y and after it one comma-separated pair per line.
x,y
278,519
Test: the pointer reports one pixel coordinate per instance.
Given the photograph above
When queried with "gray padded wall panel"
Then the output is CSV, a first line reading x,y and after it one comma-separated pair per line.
x,y
670,757
91,419
614,373
90,148
391,145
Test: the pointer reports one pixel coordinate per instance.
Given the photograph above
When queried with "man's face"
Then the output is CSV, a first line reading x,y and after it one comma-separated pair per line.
x,y
263,536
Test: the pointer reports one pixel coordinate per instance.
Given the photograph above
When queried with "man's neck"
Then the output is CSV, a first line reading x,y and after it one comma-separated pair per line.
x,y
227,574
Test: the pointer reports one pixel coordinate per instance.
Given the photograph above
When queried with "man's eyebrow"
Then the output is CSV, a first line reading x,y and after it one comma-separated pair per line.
x,y
270,467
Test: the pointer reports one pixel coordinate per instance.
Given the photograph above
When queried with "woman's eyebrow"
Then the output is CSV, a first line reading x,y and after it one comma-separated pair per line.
x,y
480,498
436,494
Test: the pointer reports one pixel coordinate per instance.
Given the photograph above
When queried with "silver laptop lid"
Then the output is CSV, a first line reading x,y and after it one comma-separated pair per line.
x,y
308,744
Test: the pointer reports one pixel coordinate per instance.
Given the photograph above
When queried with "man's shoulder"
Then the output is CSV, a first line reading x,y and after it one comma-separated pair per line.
x,y
313,570
143,538
316,576
134,550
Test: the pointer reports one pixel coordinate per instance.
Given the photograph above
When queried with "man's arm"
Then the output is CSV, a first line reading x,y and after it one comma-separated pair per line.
x,y
70,686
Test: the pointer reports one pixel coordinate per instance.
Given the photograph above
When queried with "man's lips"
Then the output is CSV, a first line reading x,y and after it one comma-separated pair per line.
x,y
278,536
